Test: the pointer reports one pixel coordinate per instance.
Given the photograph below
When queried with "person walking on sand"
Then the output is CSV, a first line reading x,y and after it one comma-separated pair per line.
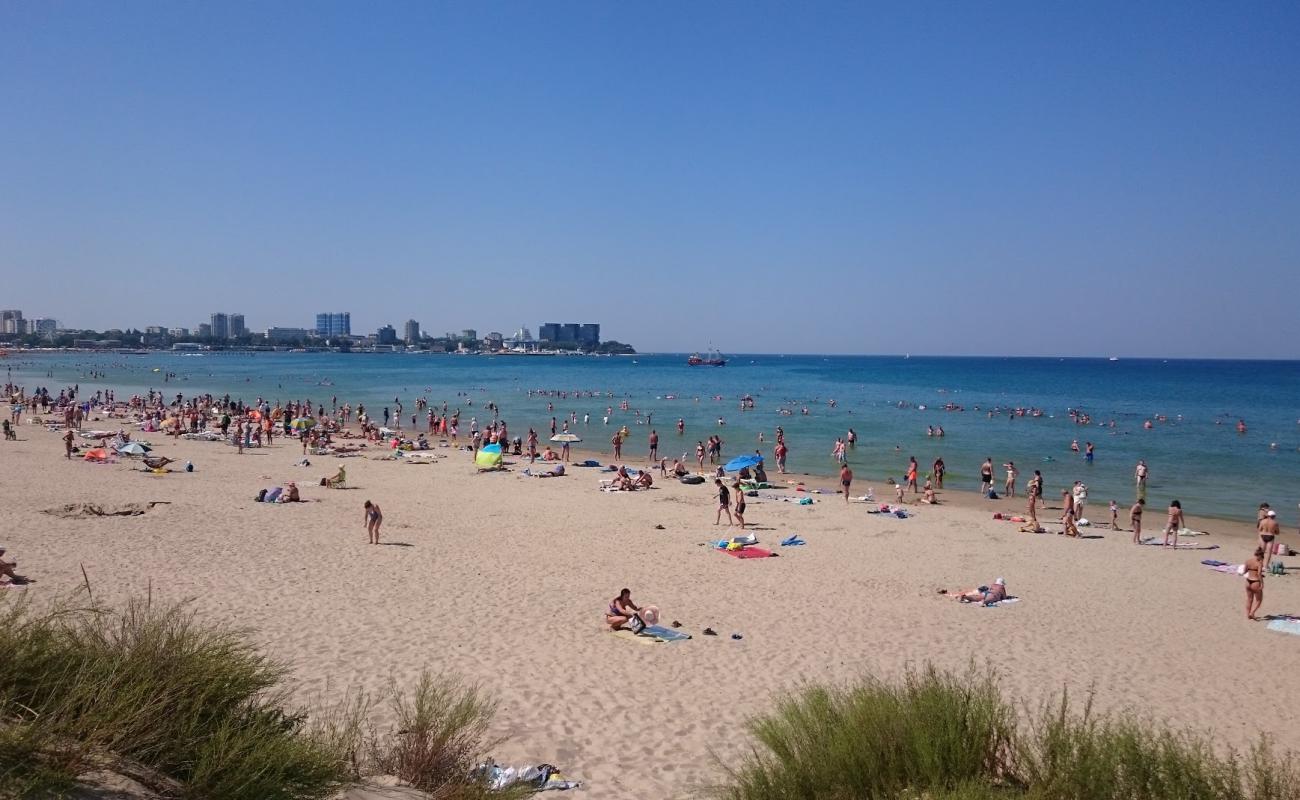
x,y
1254,570
654,445
780,452
724,503
1140,476
986,477
846,480
67,444
1080,498
938,468
1068,518
1175,523
740,504
1268,531
617,441
374,518
1135,519
1012,474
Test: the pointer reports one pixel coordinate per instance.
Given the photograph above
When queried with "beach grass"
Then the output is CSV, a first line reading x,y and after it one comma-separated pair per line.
x,y
946,736
191,709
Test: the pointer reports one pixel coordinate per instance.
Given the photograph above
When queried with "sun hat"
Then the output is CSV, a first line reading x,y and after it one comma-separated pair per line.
x,y
650,615
1001,582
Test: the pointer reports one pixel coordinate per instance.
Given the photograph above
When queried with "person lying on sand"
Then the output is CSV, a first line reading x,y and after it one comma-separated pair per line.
x,y
985,595
556,471
292,495
623,611
156,462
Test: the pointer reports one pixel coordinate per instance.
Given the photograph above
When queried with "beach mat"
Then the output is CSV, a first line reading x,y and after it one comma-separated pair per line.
x,y
627,635
749,552
1154,542
1291,626
665,634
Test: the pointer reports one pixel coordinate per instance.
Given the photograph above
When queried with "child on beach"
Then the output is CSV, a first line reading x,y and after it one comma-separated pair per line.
x,y
1114,515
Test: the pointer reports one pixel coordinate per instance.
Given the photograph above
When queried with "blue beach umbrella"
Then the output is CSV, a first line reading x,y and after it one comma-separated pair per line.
x,y
742,462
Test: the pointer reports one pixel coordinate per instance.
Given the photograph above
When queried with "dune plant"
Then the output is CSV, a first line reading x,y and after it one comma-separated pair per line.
x,y
945,736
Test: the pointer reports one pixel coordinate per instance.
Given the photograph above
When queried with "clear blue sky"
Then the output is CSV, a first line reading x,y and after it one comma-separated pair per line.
x,y
967,178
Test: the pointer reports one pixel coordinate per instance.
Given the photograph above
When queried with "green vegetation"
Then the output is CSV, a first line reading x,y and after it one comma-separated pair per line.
x,y
194,711
937,736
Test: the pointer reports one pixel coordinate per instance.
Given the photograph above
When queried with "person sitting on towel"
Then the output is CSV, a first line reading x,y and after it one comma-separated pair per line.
x,y
337,480
644,480
985,595
679,470
760,475
549,455
623,611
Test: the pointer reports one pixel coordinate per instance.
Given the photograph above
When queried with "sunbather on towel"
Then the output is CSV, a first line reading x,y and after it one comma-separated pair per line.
x,y
622,610
643,481
984,595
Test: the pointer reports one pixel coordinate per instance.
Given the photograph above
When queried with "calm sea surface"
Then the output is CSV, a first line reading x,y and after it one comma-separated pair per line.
x,y
1196,455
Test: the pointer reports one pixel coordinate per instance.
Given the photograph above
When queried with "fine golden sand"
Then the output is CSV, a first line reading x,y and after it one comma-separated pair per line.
x,y
504,579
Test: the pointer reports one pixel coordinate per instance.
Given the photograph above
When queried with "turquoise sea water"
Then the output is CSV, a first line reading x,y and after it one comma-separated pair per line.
x,y
1197,456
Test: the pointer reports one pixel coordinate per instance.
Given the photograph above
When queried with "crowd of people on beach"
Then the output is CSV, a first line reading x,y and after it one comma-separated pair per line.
x,y
342,429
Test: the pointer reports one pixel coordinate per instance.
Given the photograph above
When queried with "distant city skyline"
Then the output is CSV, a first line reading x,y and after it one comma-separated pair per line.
x,y
1011,179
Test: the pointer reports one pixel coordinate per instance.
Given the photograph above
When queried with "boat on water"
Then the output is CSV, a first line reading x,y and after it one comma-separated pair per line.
x,y
710,359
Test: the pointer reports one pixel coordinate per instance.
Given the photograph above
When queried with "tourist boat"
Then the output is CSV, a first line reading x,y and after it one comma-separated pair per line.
x,y
711,359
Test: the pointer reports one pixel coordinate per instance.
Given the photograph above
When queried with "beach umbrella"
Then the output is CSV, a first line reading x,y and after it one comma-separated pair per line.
x,y
491,448
568,438
743,462
133,449
302,423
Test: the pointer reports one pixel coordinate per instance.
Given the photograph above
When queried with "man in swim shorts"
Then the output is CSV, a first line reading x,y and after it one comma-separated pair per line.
x,y
846,479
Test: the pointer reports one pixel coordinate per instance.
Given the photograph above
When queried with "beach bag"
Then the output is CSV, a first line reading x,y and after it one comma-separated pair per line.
x,y
634,624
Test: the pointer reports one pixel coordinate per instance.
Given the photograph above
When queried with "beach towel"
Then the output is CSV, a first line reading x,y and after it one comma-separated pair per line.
x,y
629,636
1002,602
792,541
665,634
1289,625
1153,541
748,552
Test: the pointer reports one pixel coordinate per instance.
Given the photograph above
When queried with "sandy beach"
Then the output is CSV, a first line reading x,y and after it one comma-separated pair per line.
x,y
503,579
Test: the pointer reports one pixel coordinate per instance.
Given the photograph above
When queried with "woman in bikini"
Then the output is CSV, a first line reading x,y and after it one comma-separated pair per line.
x,y
1175,523
622,610
1254,568
374,518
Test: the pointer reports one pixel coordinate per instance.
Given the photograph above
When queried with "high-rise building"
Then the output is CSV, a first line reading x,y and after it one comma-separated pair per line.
x,y
589,333
386,335
237,328
205,331
45,326
549,332
11,321
569,332
469,335
412,332
332,323
220,326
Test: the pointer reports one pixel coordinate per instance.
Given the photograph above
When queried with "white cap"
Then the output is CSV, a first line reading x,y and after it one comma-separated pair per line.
x,y
1001,582
1271,513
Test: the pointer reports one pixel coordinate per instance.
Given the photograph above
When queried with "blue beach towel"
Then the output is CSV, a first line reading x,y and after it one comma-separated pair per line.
x,y
1291,626
792,541
665,634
